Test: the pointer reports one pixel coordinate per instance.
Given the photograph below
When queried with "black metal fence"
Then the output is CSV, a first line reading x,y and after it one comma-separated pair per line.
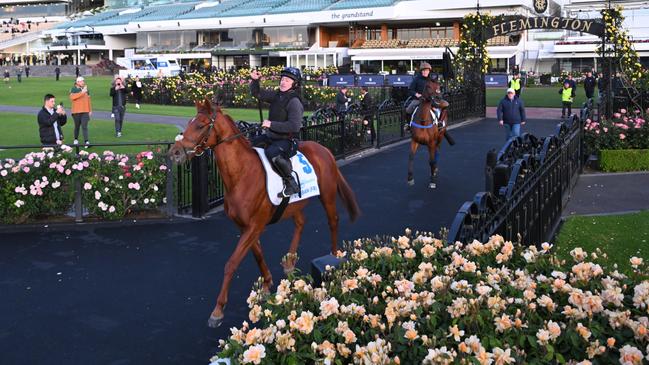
x,y
528,182
199,184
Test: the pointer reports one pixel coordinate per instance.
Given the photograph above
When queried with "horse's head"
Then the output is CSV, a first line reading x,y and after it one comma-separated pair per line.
x,y
199,135
432,89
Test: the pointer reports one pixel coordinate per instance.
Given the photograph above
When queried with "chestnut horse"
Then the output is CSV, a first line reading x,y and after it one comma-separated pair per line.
x,y
246,198
427,132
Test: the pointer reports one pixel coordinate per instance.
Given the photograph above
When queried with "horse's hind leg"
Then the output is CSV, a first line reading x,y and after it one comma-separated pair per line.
x,y
261,262
291,258
248,238
411,157
433,157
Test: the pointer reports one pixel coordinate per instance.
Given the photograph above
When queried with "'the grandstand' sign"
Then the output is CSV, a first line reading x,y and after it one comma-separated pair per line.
x,y
544,22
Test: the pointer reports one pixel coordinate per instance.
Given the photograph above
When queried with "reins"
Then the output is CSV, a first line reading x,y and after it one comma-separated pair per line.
x,y
199,148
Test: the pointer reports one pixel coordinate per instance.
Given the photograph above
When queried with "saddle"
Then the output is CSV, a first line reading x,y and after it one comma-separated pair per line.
x,y
434,114
306,177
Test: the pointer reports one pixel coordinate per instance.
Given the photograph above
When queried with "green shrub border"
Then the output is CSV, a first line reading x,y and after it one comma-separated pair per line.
x,y
624,160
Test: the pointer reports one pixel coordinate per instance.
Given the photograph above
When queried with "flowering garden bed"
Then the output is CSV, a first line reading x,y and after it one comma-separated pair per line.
x,y
621,144
113,185
417,300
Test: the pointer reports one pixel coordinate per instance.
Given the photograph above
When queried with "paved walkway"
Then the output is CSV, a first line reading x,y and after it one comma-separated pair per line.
x,y
609,194
180,122
534,113
142,294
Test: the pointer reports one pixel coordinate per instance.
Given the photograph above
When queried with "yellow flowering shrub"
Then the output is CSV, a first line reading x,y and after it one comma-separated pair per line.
x,y
627,55
416,300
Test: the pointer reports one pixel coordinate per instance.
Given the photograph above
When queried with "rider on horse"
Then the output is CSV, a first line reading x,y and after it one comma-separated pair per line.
x,y
417,87
283,124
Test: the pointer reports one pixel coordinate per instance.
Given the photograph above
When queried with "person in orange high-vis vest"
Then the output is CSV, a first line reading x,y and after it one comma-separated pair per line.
x,y
81,109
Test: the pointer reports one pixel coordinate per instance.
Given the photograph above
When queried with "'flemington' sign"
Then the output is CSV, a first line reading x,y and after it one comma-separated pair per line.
x,y
544,22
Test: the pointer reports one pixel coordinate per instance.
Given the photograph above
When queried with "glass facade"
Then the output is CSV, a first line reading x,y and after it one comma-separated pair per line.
x,y
424,33
271,37
400,33
167,41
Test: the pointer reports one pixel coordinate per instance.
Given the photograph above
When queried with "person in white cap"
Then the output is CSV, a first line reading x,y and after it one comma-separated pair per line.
x,y
81,109
511,113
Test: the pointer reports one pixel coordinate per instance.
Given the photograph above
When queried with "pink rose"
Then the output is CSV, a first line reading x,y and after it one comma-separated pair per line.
x,y
623,111
622,136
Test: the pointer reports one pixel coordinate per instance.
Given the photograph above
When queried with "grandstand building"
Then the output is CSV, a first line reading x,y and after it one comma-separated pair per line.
x,y
365,35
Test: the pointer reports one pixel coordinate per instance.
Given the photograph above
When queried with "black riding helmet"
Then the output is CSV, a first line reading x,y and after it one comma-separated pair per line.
x,y
294,74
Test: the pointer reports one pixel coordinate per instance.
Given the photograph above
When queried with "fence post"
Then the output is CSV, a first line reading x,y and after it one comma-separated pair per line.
x,y
170,188
199,186
78,208
342,136
377,118
489,171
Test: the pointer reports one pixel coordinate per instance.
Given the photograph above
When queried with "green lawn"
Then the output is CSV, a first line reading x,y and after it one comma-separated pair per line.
x,y
21,129
619,236
545,97
31,91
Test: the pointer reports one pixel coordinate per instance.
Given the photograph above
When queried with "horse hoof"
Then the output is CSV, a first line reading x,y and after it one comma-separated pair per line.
x,y
432,185
411,182
214,322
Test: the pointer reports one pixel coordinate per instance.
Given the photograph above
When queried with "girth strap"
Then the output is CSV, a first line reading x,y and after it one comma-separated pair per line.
x,y
282,206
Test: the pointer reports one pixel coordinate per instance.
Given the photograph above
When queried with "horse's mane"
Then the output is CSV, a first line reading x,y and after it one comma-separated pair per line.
x,y
232,123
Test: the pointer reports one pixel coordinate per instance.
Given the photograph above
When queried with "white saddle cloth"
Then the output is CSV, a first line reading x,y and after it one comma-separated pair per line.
x,y
434,113
307,178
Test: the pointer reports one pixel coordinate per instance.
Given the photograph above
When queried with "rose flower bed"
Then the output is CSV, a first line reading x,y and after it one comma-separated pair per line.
x,y
113,185
415,300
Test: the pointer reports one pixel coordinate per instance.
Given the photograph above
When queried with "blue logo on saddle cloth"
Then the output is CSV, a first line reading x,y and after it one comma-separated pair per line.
x,y
307,178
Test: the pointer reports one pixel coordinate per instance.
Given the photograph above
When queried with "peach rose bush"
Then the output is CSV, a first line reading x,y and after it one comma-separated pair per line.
x,y
417,300
42,184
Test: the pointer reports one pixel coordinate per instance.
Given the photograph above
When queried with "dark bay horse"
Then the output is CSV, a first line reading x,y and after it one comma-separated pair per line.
x,y
427,130
246,199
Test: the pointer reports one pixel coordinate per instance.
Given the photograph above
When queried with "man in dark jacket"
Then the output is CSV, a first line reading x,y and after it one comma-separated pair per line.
x,y
417,86
57,72
283,124
342,100
50,121
119,92
589,85
511,114
601,84
367,108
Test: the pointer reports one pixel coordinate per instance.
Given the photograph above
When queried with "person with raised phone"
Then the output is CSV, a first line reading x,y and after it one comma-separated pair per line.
x,y
50,120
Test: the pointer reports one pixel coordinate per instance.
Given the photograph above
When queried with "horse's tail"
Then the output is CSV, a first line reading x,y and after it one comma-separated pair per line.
x,y
347,196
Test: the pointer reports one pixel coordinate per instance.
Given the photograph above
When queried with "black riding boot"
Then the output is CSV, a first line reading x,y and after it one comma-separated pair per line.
x,y
285,170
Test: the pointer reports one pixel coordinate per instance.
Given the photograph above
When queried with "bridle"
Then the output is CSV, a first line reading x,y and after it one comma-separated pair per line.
x,y
199,148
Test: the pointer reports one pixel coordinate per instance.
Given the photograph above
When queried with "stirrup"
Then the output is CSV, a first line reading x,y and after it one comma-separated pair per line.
x,y
290,188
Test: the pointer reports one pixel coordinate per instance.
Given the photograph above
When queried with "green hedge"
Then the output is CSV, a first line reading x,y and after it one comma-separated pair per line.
x,y
624,160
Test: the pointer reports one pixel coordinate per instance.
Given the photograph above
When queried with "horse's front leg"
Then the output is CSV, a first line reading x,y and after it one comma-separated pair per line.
x,y
433,158
411,157
249,237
